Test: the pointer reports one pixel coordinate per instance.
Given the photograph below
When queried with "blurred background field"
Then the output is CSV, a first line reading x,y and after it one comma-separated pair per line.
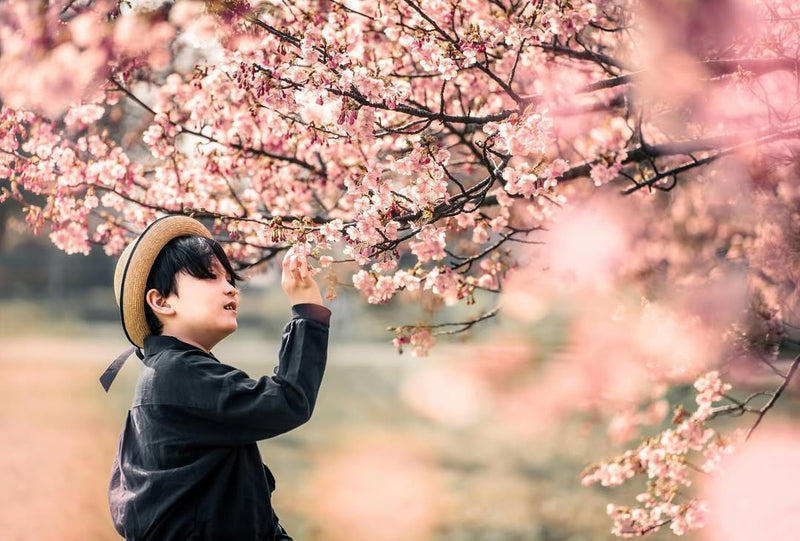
x,y
395,449
363,447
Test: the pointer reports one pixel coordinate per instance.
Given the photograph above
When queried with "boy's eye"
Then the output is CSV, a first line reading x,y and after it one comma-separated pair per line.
x,y
228,279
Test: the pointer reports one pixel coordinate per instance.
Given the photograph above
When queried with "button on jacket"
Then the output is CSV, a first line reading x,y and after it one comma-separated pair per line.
x,y
187,466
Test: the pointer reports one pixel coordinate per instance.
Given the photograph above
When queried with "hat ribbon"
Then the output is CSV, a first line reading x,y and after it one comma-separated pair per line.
x,y
113,369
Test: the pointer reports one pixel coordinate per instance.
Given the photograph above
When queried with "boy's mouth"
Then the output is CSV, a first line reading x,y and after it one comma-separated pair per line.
x,y
231,306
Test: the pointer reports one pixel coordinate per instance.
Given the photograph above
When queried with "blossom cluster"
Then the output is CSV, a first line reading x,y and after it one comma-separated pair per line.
x,y
420,338
666,461
321,125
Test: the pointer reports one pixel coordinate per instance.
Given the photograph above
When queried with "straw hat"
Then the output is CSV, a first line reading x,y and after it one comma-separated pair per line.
x,y
133,268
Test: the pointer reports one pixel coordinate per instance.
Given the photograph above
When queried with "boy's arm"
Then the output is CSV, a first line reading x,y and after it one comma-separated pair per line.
x,y
245,410
300,380
302,358
268,406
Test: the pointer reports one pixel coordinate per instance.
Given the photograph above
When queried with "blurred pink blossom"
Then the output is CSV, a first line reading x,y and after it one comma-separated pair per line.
x,y
374,488
586,245
51,84
447,394
753,495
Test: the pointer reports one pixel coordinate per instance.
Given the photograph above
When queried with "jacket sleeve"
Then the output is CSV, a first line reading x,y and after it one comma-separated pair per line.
x,y
247,410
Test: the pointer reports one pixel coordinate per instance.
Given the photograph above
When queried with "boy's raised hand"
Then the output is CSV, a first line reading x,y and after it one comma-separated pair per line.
x,y
297,281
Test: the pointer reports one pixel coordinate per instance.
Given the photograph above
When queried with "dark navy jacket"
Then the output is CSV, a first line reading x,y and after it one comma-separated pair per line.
x,y
187,466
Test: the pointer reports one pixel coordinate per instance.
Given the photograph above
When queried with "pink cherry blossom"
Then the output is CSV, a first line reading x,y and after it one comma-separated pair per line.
x,y
753,488
430,244
664,460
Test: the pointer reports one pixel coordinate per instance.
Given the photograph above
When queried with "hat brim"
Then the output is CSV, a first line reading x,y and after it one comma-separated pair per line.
x,y
133,269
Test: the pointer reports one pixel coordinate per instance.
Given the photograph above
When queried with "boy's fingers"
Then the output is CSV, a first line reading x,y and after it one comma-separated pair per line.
x,y
302,269
289,276
296,268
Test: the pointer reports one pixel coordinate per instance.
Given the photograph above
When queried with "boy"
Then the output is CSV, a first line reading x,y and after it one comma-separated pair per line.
x,y
187,465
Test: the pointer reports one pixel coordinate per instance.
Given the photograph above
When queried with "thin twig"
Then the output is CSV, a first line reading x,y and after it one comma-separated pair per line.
x,y
775,396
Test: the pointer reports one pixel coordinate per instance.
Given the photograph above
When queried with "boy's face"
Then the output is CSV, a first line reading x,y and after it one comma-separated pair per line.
x,y
202,311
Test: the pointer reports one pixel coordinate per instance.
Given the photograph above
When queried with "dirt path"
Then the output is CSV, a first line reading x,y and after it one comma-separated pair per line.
x,y
56,443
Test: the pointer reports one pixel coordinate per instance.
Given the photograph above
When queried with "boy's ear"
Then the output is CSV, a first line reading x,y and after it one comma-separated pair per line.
x,y
158,303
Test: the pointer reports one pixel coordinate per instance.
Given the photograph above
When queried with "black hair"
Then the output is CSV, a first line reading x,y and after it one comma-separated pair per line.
x,y
192,254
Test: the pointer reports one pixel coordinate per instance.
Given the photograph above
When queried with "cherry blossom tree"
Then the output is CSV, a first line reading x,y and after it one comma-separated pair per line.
x,y
494,153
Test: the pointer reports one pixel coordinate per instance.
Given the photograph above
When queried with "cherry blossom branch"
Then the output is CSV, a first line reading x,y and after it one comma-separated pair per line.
x,y
355,95
672,174
67,6
586,54
673,148
419,112
739,407
468,261
469,144
237,146
254,19
463,326
267,253
756,66
521,102
349,9
793,131
517,57
284,222
646,530
444,209
764,359
775,396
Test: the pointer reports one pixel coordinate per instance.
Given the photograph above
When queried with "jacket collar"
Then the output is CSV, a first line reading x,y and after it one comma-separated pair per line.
x,y
152,346
156,344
